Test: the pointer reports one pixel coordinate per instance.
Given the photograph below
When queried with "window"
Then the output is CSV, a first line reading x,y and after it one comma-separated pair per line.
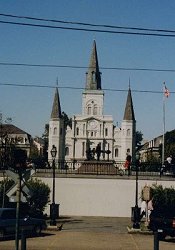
x,y
128,132
67,151
77,131
55,131
83,129
116,152
83,148
106,132
89,110
95,110
93,77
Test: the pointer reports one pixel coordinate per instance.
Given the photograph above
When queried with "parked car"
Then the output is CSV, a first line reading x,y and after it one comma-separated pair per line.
x,y
163,224
26,223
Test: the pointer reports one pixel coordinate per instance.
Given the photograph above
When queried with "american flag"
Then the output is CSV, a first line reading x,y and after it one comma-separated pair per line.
x,y
166,91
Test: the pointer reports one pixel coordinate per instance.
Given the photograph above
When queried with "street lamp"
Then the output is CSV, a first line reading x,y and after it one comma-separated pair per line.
x,y
136,211
53,205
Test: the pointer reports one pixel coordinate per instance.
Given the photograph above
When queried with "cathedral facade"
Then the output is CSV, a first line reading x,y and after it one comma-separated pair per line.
x,y
92,130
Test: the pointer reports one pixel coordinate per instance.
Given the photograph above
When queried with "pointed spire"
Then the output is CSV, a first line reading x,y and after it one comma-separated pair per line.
x,y
56,108
93,81
129,110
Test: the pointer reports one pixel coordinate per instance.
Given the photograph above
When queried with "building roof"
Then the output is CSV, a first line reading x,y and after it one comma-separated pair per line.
x,y
12,129
93,80
56,108
129,110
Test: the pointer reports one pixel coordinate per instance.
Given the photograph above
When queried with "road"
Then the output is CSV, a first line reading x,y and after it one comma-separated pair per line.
x,y
92,233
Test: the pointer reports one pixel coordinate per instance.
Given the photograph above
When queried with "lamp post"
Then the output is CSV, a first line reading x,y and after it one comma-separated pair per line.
x,y
53,205
136,211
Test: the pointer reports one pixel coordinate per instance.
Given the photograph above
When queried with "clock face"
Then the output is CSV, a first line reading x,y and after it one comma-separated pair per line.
x,y
93,124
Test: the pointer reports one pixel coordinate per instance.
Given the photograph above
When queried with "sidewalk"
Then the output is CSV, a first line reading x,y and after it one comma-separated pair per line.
x,y
92,233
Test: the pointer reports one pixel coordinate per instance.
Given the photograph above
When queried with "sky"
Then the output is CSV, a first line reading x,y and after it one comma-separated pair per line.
x,y
30,107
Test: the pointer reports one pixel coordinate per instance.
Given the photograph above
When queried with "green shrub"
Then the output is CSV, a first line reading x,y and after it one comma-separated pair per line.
x,y
35,204
163,200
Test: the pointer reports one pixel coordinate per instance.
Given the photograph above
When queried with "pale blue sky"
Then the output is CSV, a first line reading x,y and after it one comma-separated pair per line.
x,y
30,108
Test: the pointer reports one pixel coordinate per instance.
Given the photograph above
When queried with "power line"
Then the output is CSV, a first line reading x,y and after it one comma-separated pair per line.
x,y
87,30
78,88
83,67
86,24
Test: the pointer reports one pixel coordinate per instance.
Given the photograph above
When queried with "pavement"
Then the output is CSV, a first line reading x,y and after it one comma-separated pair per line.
x,y
91,233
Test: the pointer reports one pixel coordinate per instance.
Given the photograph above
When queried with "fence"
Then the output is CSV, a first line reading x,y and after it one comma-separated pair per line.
x,y
102,168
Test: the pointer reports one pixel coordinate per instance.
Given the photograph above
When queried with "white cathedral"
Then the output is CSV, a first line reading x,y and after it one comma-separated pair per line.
x,y
92,127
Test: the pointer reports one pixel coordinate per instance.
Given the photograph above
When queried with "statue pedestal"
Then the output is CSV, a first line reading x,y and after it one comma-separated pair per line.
x,y
97,167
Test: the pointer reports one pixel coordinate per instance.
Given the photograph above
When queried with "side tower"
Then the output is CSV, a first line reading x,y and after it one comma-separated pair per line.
x,y
128,129
56,130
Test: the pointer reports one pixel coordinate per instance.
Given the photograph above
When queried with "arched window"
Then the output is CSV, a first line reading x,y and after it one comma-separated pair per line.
x,y
116,152
100,129
128,132
67,151
77,131
83,129
55,131
95,110
89,110
83,148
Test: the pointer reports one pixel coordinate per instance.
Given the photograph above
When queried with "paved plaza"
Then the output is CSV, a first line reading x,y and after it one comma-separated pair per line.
x,y
86,233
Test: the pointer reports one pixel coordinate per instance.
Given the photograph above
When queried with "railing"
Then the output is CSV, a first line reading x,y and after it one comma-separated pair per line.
x,y
103,168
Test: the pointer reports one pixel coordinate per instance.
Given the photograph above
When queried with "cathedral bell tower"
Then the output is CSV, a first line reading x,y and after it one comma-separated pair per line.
x,y
56,130
128,129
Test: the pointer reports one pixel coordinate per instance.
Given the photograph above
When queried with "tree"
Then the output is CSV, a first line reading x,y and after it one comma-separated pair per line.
x,y
35,204
139,138
163,200
40,196
45,137
170,144
67,120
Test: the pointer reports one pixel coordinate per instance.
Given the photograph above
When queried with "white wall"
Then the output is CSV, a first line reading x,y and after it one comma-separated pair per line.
x,y
98,197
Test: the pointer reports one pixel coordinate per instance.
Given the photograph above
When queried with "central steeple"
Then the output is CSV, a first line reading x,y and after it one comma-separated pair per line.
x,y
93,80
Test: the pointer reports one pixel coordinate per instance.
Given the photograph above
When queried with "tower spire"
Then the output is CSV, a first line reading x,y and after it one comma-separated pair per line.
x,y
129,110
93,81
56,108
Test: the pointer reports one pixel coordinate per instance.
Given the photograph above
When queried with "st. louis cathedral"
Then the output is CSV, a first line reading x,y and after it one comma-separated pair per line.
x,y
92,129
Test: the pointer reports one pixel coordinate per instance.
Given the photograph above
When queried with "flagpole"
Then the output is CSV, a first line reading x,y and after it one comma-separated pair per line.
x,y
166,94
163,141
